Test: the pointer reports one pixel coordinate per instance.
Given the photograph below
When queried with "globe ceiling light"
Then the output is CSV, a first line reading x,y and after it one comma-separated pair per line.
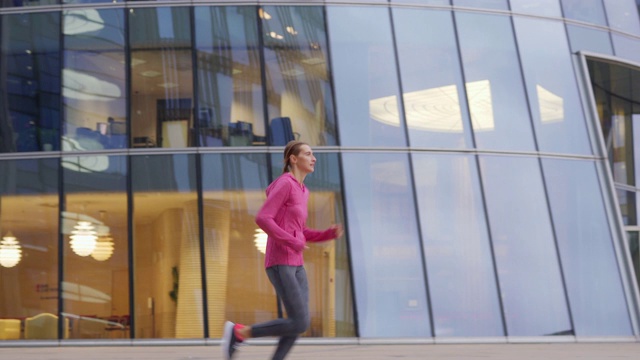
x,y
260,239
83,238
103,249
10,251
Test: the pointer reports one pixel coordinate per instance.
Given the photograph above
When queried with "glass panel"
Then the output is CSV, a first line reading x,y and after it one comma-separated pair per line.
x,y
161,77
524,248
166,247
591,11
432,88
634,250
299,97
29,249
30,82
555,104
93,80
230,106
626,47
237,285
586,39
594,287
623,15
27,3
537,7
89,1
364,72
614,95
628,202
388,267
458,253
488,4
95,289
495,92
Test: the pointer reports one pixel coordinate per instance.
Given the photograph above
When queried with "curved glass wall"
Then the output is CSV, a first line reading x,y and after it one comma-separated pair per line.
x,y
454,142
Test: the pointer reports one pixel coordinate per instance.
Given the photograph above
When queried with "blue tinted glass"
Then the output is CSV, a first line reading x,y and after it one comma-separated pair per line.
x,y
93,80
31,78
524,247
626,47
587,39
537,7
592,276
623,15
25,3
230,106
456,242
365,77
384,243
485,4
432,88
553,93
299,96
499,113
591,11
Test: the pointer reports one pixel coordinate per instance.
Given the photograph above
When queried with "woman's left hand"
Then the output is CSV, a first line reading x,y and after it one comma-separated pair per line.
x,y
338,229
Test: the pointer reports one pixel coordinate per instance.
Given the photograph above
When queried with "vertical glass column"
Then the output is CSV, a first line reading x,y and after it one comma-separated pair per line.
x,y
161,77
166,250
30,82
29,250
299,97
95,286
237,285
230,106
388,272
586,246
432,89
93,80
495,90
365,77
529,274
462,280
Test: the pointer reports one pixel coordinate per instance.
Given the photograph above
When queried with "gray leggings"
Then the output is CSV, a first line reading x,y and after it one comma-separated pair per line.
x,y
290,283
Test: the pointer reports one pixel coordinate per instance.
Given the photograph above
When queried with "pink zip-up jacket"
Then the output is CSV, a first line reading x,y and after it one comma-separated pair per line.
x,y
283,217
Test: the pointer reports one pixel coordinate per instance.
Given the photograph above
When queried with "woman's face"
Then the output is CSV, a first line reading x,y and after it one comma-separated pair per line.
x,y
304,161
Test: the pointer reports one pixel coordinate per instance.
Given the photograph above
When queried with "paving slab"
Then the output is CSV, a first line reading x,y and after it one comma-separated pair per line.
x,y
553,351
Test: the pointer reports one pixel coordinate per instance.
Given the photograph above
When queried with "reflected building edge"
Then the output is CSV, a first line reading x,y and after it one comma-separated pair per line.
x,y
485,178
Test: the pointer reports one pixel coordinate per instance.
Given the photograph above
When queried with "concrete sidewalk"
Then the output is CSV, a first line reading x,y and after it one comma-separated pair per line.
x,y
555,351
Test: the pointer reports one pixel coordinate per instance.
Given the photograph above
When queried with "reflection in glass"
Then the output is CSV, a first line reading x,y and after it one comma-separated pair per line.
x,y
591,11
596,298
95,288
29,215
25,3
299,97
93,80
529,274
431,79
537,7
230,107
462,281
626,47
30,79
166,247
588,39
499,113
364,72
161,77
555,104
388,268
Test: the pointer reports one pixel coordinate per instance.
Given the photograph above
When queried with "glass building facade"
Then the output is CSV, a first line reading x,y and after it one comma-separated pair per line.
x,y
480,154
